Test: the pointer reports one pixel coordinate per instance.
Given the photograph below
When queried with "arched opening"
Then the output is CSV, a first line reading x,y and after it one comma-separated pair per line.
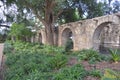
x,y
40,38
67,39
106,36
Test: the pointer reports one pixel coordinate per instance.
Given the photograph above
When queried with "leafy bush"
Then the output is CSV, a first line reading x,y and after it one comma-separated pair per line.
x,y
30,62
8,48
52,49
89,55
111,75
105,57
114,55
19,46
69,45
20,65
27,47
20,32
58,61
76,72
95,73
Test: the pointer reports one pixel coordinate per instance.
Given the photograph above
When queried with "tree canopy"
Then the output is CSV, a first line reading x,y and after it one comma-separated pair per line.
x,y
50,12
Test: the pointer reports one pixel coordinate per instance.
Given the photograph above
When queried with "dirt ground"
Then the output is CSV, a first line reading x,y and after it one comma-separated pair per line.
x,y
1,52
1,59
102,65
2,67
99,66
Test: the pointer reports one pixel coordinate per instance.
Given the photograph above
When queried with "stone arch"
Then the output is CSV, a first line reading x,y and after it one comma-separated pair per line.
x,y
67,37
96,35
105,36
41,36
86,32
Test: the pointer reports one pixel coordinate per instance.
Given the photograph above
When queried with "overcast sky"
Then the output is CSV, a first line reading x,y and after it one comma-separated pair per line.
x,y
1,11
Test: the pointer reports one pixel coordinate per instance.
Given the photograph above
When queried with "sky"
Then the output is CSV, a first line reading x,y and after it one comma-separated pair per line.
x,y
12,10
106,0
1,11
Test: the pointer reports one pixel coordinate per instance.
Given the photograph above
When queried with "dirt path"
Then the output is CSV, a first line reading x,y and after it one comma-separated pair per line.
x,y
1,52
1,56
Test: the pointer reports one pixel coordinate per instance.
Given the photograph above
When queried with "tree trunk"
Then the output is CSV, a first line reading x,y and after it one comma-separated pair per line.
x,y
49,27
49,35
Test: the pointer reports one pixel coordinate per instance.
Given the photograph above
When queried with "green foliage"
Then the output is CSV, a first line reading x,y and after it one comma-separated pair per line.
x,y
2,37
29,61
52,49
105,57
90,55
20,46
73,10
114,55
88,8
111,75
23,66
20,31
69,45
77,72
58,61
95,73
70,15
8,47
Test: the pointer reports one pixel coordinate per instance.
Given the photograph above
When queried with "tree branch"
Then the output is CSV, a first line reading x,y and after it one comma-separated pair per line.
x,y
4,26
53,3
59,13
35,12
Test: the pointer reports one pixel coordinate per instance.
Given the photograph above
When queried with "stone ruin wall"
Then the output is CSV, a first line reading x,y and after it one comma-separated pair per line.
x,y
86,33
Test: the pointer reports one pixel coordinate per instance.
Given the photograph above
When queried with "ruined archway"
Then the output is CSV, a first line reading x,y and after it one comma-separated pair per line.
x,y
40,38
106,36
67,38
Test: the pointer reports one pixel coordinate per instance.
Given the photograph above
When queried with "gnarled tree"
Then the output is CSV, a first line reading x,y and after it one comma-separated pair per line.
x,y
48,11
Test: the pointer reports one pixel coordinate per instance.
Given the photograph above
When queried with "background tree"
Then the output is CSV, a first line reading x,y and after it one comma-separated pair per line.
x,y
20,32
111,6
3,34
81,9
116,6
50,12
46,11
88,8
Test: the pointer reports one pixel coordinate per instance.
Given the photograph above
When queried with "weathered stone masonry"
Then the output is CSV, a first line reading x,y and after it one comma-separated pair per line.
x,y
90,33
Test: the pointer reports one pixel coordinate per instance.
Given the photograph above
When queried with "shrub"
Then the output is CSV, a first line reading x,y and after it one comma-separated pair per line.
x,y
95,73
89,55
77,72
57,61
30,62
114,55
69,45
35,62
105,57
52,49
20,65
20,32
111,75
8,48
